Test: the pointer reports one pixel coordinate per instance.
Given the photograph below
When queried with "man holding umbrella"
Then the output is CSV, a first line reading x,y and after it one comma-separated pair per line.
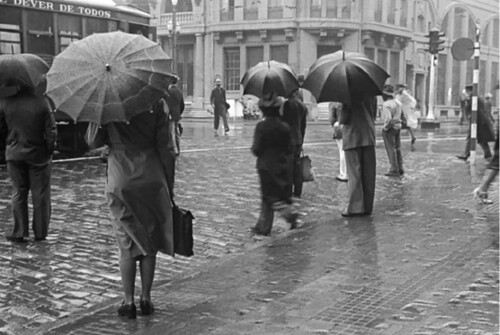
x,y
28,128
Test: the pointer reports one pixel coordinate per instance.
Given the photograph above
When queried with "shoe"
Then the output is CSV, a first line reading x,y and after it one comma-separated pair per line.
x,y
464,158
216,133
391,174
40,238
413,140
348,215
15,239
258,232
401,172
481,196
226,130
129,311
147,307
344,180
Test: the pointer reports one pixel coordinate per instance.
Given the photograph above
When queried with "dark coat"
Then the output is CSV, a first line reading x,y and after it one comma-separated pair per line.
x,y
27,127
485,131
272,145
218,99
175,102
295,115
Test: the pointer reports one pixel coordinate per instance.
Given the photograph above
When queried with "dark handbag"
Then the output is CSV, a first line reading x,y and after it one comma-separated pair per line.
x,y
183,231
307,169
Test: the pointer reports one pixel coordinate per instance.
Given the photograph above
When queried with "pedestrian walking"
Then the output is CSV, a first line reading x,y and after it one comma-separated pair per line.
x,y
295,115
138,196
335,109
358,136
410,121
175,102
220,106
28,128
485,132
391,131
273,147
481,192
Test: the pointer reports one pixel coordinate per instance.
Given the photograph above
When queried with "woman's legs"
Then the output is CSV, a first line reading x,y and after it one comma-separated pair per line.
x,y
127,272
147,267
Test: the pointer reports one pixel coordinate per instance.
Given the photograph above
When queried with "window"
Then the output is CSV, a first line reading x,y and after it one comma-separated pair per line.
x,y
10,31
395,76
370,53
421,24
332,8
96,26
227,10
315,8
378,11
40,34
322,50
70,30
495,33
382,59
345,6
254,56
275,9
251,10
391,14
279,53
232,68
403,18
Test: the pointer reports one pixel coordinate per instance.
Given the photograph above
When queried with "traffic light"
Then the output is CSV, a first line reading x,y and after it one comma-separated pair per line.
x,y
434,41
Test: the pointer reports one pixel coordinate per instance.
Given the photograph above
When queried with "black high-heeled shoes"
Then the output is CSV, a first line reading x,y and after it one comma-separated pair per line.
x,y
128,310
147,307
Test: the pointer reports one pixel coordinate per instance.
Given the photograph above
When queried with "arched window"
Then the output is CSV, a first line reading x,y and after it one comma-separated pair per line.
x,y
182,6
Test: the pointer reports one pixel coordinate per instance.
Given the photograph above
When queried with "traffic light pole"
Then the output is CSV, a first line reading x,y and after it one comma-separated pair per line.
x,y
474,98
432,80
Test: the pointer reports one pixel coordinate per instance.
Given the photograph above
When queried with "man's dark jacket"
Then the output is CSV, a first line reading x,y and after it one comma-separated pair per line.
x,y
175,102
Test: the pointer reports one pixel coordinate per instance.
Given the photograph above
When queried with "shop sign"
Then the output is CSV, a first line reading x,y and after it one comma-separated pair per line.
x,y
54,6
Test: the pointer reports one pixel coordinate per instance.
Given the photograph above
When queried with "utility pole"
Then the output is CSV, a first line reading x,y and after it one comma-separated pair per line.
x,y
475,91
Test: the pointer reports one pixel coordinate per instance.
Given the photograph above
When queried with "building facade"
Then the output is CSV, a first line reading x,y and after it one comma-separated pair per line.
x,y
223,38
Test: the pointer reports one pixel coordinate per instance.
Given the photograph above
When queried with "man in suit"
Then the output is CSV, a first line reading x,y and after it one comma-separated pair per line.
x,y
175,102
219,105
295,115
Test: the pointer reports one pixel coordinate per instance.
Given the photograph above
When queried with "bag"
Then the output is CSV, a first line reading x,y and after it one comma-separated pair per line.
x,y
337,131
183,231
307,169
404,122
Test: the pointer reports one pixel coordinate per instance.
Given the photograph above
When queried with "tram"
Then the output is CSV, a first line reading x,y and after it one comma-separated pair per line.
x,y
47,27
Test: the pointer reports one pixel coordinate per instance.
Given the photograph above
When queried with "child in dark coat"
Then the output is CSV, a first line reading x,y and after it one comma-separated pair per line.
x,y
272,144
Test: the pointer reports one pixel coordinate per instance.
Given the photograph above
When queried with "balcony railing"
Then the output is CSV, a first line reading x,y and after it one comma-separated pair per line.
x,y
180,18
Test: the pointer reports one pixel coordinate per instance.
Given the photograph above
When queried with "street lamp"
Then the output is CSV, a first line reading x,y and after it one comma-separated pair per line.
x,y
174,36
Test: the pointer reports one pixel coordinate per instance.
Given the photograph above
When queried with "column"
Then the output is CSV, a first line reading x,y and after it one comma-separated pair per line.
x,y
199,69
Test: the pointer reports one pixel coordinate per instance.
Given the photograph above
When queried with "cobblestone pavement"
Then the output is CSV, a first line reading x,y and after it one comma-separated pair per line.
x,y
426,262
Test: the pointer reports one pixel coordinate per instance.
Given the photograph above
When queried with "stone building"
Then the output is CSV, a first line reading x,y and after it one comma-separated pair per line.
x,y
225,37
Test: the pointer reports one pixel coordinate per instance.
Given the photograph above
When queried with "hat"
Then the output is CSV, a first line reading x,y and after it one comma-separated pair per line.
x,y
388,90
469,87
218,81
270,100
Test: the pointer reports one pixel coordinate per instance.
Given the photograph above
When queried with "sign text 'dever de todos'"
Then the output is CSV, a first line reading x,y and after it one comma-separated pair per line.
x,y
60,7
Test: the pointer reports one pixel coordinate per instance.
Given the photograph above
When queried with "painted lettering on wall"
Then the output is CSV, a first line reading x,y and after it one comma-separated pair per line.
x,y
60,7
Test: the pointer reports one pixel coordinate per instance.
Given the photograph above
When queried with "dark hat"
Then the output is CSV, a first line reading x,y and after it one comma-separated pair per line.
x,y
388,90
270,101
469,87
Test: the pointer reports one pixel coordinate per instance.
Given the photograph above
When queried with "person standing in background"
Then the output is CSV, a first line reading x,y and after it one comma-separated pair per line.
x,y
295,115
28,128
391,132
219,105
175,102
335,109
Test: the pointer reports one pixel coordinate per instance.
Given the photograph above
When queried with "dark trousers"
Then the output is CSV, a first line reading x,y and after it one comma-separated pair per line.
x,y
26,177
392,142
296,187
484,146
217,115
361,173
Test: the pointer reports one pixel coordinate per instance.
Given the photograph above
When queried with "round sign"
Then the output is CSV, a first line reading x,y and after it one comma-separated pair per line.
x,y
462,49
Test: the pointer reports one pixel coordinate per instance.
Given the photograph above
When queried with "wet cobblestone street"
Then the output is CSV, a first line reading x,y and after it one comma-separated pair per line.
x,y
425,262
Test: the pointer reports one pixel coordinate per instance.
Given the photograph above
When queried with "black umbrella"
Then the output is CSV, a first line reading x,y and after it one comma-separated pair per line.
x,y
269,77
21,70
344,76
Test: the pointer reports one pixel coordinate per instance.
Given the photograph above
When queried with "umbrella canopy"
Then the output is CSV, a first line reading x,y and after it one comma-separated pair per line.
x,y
268,77
21,70
344,76
108,77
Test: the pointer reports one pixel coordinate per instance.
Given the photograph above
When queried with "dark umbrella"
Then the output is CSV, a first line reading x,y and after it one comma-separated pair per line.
x,y
108,77
343,76
268,77
21,70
